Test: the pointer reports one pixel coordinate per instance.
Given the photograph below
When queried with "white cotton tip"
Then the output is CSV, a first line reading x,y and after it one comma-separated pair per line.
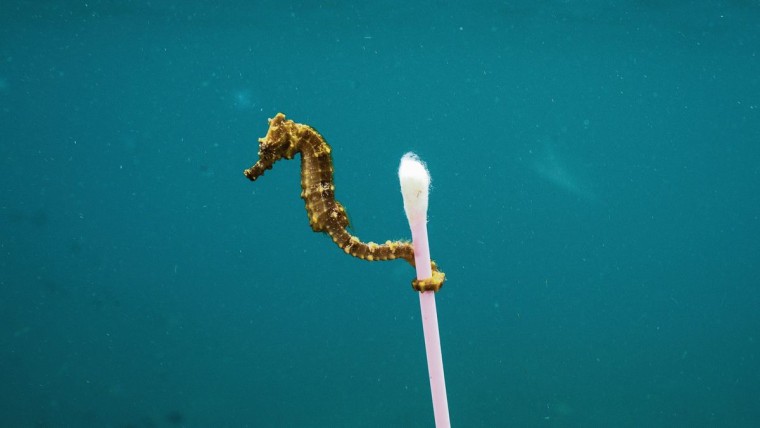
x,y
415,187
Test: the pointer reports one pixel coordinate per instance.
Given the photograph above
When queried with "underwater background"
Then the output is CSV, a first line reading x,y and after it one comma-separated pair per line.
x,y
595,206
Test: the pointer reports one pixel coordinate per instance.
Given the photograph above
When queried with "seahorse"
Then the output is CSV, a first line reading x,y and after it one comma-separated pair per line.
x,y
284,139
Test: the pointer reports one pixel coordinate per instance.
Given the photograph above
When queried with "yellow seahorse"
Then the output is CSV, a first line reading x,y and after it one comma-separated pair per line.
x,y
284,139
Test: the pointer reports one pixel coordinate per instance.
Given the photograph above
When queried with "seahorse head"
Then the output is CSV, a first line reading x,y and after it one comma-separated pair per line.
x,y
280,142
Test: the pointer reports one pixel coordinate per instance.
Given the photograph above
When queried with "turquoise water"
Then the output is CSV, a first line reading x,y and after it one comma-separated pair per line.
x,y
596,185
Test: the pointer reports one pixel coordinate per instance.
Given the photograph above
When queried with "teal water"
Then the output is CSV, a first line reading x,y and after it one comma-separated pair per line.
x,y
596,184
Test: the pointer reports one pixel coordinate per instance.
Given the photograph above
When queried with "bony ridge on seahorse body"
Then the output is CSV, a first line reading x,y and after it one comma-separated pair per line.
x,y
284,139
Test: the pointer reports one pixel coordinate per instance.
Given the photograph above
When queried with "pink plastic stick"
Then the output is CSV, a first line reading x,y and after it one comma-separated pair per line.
x,y
430,327
415,183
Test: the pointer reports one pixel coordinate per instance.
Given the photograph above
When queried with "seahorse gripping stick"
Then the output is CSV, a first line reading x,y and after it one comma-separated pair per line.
x,y
284,140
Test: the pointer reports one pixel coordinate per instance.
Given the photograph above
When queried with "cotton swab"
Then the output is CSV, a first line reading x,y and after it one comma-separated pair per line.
x,y
415,188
